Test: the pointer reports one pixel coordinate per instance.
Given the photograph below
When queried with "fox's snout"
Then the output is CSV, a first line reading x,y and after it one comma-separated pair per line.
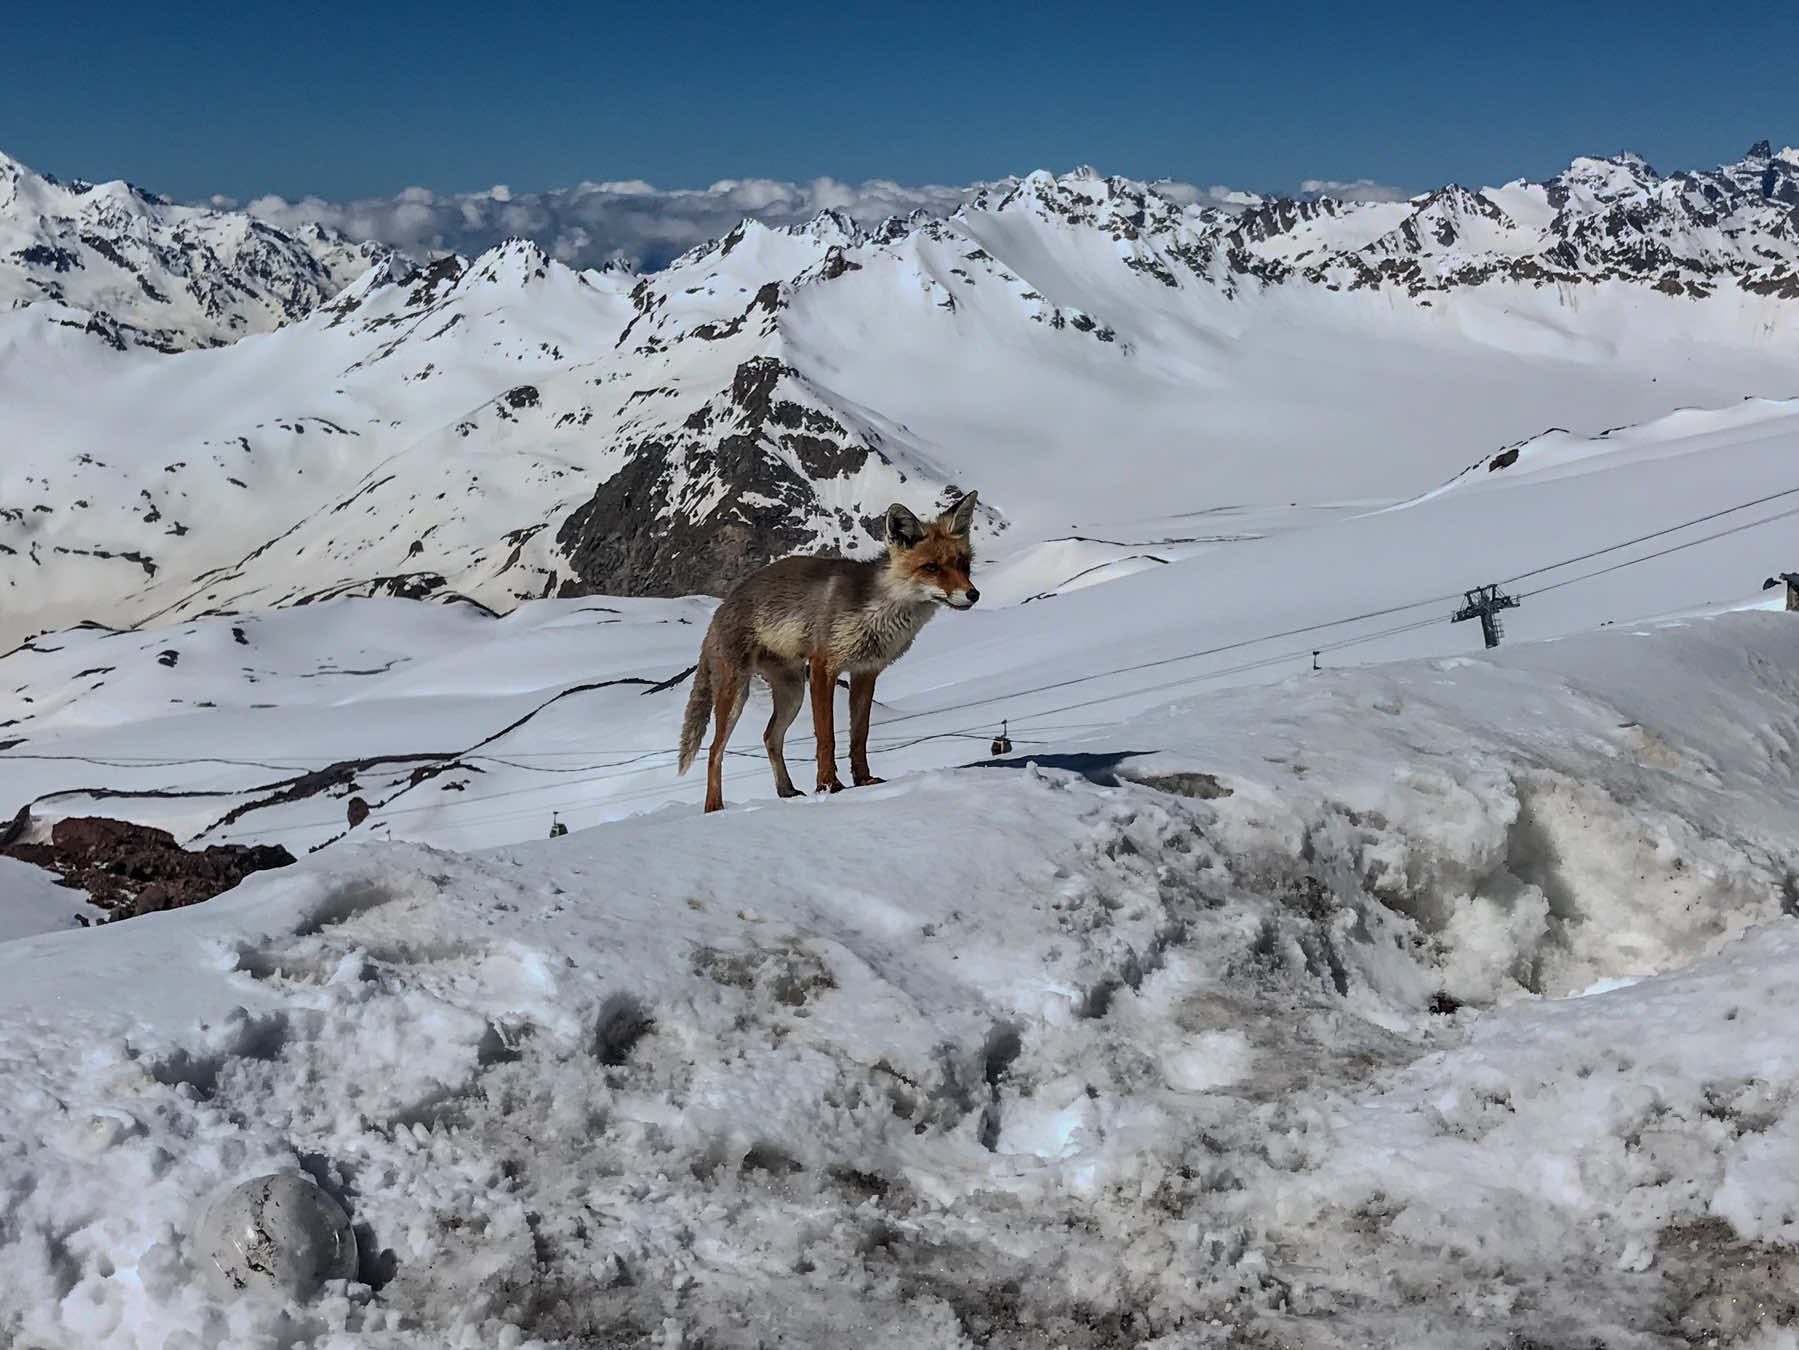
x,y
965,600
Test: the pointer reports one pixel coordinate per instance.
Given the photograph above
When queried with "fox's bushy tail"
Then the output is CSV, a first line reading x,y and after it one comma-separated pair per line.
x,y
699,708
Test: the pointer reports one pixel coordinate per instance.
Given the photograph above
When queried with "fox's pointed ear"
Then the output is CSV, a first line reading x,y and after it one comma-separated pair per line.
x,y
903,528
960,517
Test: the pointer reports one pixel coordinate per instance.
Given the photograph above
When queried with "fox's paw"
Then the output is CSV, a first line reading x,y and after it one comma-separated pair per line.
x,y
868,780
789,791
831,785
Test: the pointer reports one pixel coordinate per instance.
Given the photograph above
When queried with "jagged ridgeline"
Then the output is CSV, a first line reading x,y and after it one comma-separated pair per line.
x,y
1076,347
135,270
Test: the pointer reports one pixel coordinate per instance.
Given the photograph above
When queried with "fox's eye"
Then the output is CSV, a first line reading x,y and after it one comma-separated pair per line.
x,y
930,569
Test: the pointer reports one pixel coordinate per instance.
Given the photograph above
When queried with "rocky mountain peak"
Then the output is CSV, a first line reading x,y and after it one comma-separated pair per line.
x,y
1604,179
512,262
153,274
832,228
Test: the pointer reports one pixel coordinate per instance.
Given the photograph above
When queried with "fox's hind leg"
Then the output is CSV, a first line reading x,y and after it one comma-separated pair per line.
x,y
789,686
730,688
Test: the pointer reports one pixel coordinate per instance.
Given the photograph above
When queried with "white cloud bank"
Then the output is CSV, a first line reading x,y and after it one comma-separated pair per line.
x,y
1359,190
596,223
637,223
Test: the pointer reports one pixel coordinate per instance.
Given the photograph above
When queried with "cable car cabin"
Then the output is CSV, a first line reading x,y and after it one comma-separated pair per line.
x,y
1002,743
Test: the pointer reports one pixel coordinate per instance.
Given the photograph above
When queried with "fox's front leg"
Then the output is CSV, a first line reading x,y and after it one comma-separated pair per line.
x,y
862,698
824,726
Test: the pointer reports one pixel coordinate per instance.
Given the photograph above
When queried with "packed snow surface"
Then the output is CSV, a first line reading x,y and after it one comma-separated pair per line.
x,y
1264,1018
31,902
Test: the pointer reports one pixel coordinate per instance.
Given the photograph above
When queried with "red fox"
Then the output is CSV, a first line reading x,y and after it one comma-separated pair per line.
x,y
833,615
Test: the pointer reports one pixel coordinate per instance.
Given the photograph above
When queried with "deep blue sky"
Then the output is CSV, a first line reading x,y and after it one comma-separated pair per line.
x,y
344,99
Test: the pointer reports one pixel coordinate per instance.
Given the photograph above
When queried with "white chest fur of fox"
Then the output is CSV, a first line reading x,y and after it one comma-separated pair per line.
x,y
869,638
875,636
801,619
866,631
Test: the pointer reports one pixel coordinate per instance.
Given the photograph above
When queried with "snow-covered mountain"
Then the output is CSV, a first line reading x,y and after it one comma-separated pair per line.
x,y
137,270
1599,220
506,427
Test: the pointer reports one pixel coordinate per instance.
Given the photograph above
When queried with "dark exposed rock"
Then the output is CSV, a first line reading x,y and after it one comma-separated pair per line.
x,y
129,869
642,532
631,538
824,458
797,417
836,264
1782,286
406,586
47,255
444,272
753,386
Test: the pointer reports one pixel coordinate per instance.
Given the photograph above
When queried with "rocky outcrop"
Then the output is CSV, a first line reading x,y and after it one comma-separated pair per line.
x,y
732,488
128,869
